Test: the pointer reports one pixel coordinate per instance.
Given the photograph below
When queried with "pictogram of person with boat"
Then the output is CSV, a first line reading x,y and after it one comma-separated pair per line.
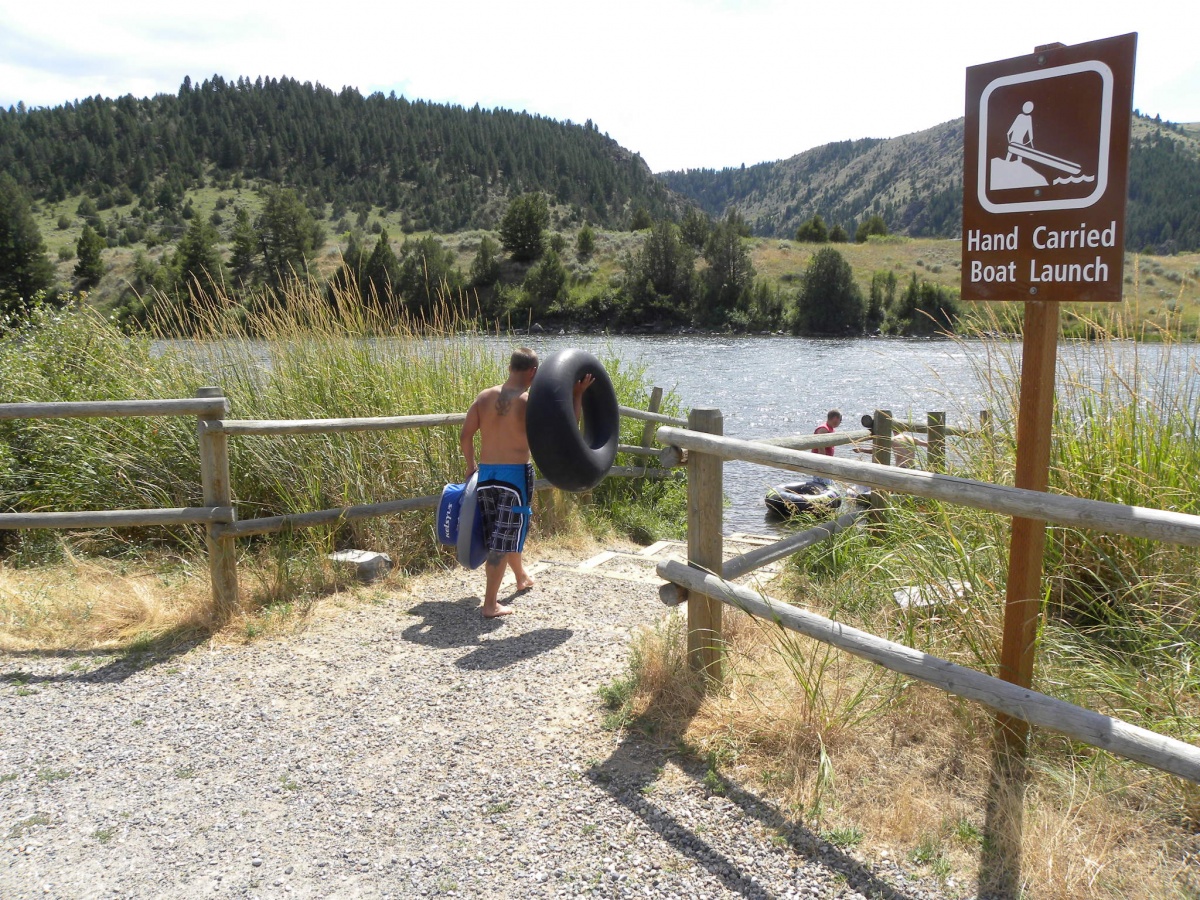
x,y
1017,168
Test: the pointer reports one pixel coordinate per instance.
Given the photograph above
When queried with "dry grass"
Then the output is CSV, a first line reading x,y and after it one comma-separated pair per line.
x,y
870,760
86,602
99,604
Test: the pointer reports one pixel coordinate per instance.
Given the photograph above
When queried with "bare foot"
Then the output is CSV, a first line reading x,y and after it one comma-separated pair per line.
x,y
524,584
495,610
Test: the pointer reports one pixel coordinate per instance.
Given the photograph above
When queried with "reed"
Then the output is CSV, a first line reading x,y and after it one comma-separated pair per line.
x,y
1121,635
308,354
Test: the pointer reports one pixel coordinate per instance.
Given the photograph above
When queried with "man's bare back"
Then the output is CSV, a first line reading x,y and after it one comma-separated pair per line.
x,y
498,414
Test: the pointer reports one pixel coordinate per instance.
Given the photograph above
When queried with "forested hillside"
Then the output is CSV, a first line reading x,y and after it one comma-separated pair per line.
x,y
444,165
915,183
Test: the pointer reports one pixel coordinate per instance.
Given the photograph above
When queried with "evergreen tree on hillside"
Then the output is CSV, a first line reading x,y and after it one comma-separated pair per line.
x,y
89,267
730,274
813,231
427,276
660,278
485,268
243,245
924,308
546,283
830,301
523,226
381,272
874,225
197,264
288,236
585,242
25,269
695,228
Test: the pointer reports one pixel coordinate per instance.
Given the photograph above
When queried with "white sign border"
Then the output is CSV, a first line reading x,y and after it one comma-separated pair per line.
x,y
1106,77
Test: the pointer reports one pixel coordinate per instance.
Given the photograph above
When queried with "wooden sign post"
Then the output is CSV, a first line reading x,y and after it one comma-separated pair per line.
x,y
1046,151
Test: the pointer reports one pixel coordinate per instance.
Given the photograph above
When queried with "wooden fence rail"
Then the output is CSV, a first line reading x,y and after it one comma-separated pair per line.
x,y
120,518
1080,724
218,514
213,407
1135,521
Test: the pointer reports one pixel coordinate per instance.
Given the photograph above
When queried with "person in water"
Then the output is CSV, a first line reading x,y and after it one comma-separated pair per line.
x,y
504,488
832,420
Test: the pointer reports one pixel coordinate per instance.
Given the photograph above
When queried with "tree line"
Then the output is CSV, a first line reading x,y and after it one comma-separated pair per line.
x,y
695,273
443,164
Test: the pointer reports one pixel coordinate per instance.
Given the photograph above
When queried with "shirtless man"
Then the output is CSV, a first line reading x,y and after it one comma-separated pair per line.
x,y
504,489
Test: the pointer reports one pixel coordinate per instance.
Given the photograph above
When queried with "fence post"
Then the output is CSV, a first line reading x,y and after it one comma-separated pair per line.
x,y
214,476
705,508
881,453
648,428
936,449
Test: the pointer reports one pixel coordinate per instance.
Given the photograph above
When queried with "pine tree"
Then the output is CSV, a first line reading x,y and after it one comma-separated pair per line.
x,y
244,241
288,236
197,264
585,242
813,231
830,301
523,225
89,267
25,269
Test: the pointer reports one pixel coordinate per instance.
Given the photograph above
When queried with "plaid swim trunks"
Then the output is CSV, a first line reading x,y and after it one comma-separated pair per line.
x,y
503,493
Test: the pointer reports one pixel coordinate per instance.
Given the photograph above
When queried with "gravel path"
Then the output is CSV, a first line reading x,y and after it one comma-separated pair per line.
x,y
404,749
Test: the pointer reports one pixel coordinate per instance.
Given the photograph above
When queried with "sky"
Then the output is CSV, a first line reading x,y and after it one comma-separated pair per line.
x,y
684,83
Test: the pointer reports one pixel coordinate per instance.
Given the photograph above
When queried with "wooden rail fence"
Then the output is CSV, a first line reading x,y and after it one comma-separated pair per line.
x,y
704,584
218,512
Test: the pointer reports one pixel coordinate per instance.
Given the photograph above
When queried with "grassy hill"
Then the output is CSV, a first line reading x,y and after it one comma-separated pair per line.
x,y
915,182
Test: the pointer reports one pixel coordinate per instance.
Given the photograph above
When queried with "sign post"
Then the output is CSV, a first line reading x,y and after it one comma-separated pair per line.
x,y
1046,152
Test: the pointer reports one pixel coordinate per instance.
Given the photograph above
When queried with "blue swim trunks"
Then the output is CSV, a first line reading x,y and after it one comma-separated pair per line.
x,y
503,494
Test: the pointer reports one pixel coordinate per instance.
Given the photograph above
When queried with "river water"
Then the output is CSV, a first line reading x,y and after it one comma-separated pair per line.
x,y
770,386
774,386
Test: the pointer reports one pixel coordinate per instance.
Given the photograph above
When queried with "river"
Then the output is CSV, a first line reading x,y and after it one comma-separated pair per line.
x,y
772,386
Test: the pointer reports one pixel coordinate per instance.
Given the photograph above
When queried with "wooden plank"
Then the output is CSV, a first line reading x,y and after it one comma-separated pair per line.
x,y
813,441
706,496
270,524
334,426
188,406
635,413
120,518
1136,521
881,455
635,450
793,543
737,566
1095,729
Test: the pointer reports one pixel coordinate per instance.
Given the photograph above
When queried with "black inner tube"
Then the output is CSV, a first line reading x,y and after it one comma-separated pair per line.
x,y
570,457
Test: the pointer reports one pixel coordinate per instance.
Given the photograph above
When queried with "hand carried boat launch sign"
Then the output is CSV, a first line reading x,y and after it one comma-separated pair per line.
x,y
1045,171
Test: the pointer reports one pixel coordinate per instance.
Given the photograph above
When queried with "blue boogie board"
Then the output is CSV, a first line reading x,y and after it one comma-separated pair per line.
x,y
456,509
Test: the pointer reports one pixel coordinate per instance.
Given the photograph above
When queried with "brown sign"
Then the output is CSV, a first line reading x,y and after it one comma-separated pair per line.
x,y
1044,175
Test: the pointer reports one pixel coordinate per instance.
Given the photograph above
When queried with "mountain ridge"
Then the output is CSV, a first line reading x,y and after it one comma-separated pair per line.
x,y
914,182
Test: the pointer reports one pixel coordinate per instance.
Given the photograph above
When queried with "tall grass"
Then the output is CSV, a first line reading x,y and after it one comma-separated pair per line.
x,y
308,355
1121,635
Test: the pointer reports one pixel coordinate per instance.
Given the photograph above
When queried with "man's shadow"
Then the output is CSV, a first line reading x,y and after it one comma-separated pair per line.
x,y
459,623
